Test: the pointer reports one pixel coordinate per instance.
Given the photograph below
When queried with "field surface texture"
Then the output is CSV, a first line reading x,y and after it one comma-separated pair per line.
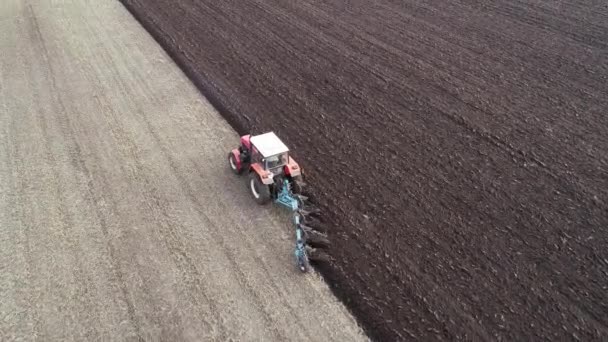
x,y
458,148
119,217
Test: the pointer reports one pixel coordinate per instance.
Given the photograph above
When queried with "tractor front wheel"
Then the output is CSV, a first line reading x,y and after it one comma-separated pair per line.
x,y
259,190
234,166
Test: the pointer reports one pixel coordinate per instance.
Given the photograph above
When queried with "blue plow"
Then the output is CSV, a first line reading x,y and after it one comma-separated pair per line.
x,y
287,199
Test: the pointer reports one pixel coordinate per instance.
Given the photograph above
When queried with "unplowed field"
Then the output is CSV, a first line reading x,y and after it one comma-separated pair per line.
x,y
458,149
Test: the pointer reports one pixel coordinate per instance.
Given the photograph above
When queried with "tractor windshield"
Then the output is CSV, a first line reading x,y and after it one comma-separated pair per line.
x,y
276,161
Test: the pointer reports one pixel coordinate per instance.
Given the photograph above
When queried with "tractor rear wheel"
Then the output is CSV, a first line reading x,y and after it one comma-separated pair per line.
x,y
234,166
259,190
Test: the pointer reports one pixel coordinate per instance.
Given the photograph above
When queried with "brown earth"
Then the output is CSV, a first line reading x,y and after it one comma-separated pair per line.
x,y
119,217
459,149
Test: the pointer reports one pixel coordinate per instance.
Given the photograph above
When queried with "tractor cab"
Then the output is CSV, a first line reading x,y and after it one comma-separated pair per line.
x,y
275,162
269,151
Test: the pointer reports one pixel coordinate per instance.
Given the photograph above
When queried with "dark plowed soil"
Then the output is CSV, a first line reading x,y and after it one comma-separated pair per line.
x,y
459,149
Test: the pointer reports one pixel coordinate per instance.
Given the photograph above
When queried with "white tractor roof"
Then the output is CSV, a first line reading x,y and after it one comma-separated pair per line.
x,y
268,144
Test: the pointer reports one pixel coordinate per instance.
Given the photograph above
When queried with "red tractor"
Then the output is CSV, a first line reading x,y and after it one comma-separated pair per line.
x,y
269,165
274,175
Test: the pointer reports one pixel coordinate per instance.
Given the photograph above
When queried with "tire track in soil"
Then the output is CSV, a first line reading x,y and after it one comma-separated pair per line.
x,y
77,161
43,118
15,184
153,194
153,200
